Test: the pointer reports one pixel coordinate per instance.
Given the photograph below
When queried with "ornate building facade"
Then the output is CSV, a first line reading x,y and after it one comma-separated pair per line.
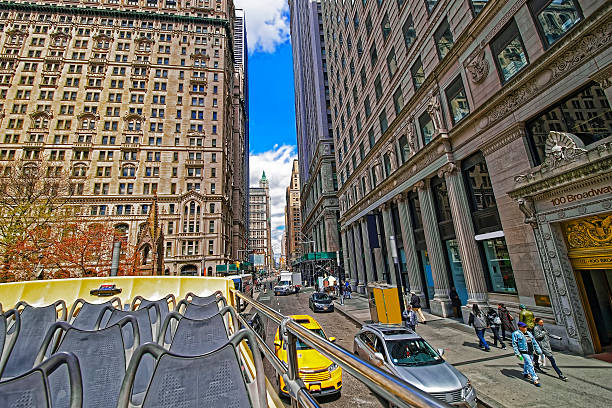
x,y
260,227
134,98
293,220
477,134
317,167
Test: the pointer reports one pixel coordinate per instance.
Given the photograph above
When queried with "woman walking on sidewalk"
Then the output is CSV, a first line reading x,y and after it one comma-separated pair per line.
x,y
495,323
415,302
524,345
506,319
543,338
479,321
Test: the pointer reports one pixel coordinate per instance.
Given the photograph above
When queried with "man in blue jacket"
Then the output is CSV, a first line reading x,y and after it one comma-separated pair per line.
x,y
524,345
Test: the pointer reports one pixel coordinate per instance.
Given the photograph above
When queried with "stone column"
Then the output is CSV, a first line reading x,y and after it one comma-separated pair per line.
x,y
412,260
331,231
345,255
388,225
440,305
379,261
367,251
464,230
358,250
353,260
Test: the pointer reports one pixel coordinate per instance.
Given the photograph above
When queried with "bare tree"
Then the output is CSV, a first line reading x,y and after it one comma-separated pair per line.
x,y
33,197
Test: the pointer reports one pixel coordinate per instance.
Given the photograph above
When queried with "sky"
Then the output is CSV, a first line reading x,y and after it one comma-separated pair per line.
x,y
272,104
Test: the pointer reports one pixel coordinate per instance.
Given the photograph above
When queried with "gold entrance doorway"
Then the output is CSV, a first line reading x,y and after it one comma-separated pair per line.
x,y
589,242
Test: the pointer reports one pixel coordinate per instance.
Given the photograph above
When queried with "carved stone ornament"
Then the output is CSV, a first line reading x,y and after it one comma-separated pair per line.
x,y
527,209
435,112
411,136
478,67
561,148
590,232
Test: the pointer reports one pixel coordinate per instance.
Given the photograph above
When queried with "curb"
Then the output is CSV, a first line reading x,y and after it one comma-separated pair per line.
x,y
347,315
487,402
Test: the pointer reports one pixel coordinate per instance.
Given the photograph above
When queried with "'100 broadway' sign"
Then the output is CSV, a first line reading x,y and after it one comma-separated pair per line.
x,y
594,192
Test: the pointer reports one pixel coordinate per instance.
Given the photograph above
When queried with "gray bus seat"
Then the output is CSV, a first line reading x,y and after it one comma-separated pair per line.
x,y
196,312
203,301
211,380
10,323
33,389
164,307
196,337
35,321
103,358
84,315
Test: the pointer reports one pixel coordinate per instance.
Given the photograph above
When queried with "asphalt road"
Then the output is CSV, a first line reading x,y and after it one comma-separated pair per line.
x,y
354,393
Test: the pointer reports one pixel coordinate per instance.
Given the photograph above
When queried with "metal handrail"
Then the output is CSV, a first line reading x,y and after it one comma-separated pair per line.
x,y
390,387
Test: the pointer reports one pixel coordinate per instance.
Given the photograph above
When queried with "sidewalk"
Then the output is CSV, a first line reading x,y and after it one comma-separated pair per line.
x,y
497,375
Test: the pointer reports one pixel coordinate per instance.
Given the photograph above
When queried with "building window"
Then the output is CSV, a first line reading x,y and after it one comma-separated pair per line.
x,y
457,101
431,4
509,52
398,100
585,114
427,128
555,18
378,88
477,6
373,55
382,118
444,39
409,32
385,27
404,147
371,139
391,62
500,276
418,75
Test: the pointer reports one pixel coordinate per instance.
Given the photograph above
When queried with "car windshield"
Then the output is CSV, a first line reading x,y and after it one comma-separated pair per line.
x,y
412,352
320,296
303,346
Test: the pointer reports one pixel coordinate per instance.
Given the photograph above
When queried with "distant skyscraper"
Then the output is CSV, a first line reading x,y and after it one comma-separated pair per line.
x,y
260,229
293,220
317,168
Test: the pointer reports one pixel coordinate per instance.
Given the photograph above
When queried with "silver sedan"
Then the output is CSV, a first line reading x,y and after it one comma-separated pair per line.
x,y
406,355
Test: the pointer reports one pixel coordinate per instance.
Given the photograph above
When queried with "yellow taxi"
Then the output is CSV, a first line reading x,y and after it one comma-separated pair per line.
x,y
320,375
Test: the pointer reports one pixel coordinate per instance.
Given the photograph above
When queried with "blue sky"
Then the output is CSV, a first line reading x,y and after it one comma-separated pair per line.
x,y
272,102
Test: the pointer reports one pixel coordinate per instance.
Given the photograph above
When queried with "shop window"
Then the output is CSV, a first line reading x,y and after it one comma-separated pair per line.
x,y
500,275
457,101
444,39
555,18
585,114
509,52
427,127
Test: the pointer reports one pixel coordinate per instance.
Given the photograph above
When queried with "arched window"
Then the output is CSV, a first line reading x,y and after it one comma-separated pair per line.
x,y
79,170
128,171
191,217
88,123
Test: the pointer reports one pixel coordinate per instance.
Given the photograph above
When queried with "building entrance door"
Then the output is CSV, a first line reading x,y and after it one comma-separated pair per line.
x,y
596,291
589,243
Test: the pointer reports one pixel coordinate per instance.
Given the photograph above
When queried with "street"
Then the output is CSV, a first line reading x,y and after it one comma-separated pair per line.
x,y
354,393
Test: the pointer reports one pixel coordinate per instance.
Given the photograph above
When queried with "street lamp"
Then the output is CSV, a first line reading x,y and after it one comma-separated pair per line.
x,y
398,277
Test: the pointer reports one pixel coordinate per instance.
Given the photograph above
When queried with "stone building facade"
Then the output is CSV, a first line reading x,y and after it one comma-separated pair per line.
x,y
293,221
133,98
317,166
260,226
477,133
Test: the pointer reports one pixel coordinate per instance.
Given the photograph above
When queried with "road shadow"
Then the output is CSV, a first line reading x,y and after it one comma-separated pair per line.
x,y
470,344
512,373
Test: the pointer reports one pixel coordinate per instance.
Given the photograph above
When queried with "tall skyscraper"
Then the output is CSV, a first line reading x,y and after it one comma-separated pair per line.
x,y
317,168
260,227
473,136
134,99
293,219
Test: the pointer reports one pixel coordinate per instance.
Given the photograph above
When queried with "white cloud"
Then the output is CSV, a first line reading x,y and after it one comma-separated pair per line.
x,y
267,23
277,164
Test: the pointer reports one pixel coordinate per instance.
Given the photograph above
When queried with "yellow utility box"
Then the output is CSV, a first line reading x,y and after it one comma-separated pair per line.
x,y
384,303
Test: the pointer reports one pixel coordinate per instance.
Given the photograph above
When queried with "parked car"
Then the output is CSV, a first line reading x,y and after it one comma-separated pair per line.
x,y
320,375
320,302
284,288
407,355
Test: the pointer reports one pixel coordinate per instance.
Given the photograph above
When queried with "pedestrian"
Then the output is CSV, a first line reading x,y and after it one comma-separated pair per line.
x,y
348,290
540,333
526,316
410,318
506,319
415,302
455,302
524,344
479,321
341,290
495,323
